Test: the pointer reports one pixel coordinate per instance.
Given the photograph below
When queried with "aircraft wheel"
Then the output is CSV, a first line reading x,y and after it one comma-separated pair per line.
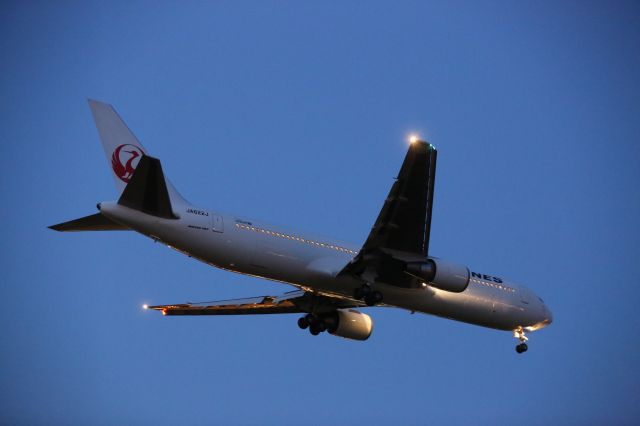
x,y
522,347
314,330
311,319
373,298
358,293
362,292
303,323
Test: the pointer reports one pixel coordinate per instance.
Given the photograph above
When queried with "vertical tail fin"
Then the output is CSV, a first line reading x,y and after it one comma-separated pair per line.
x,y
122,148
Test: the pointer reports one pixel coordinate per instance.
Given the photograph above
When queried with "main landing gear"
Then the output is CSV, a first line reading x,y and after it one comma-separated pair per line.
x,y
519,334
370,296
314,323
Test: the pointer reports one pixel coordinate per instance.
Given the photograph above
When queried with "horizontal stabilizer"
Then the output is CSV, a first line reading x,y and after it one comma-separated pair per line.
x,y
147,190
95,222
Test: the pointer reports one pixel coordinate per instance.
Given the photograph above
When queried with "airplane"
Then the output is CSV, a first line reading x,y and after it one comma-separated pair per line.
x,y
333,279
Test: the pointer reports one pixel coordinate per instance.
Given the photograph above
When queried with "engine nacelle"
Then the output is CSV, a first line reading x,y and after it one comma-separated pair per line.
x,y
441,274
349,324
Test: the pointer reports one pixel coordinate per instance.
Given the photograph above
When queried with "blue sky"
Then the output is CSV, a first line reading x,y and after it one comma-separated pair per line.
x,y
296,113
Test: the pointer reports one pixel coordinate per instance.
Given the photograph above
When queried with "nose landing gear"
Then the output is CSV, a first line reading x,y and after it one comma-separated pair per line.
x,y
519,334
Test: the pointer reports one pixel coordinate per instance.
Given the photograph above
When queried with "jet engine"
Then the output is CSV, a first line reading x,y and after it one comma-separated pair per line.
x,y
441,274
349,324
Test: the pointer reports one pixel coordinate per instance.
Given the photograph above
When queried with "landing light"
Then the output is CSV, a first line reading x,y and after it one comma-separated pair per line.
x,y
145,306
413,138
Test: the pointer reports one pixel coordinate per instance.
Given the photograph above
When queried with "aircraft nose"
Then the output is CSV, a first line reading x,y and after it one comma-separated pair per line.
x,y
548,315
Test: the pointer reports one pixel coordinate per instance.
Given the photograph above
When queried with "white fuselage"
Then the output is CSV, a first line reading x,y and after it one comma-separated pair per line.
x,y
313,263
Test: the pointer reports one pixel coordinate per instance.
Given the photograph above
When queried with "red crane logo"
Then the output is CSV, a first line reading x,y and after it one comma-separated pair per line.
x,y
122,161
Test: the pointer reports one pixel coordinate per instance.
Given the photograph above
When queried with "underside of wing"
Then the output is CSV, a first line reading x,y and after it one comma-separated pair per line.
x,y
147,190
401,231
404,222
322,312
292,302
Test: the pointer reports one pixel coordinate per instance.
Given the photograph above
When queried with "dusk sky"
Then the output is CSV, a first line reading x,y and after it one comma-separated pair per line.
x,y
297,113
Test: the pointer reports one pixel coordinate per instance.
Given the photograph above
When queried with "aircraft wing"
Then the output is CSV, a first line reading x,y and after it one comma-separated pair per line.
x,y
404,223
402,229
297,301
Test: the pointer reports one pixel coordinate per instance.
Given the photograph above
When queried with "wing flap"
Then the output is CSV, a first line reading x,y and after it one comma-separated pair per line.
x,y
286,307
297,301
248,306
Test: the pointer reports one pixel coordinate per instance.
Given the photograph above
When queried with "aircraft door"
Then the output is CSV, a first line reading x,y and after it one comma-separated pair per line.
x,y
217,223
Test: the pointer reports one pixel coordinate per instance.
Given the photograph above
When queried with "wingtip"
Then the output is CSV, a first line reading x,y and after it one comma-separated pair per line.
x,y
420,144
429,146
95,102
